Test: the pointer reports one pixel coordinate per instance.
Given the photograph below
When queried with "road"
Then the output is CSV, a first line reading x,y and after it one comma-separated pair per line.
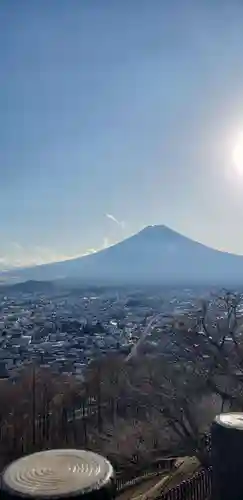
x,y
134,351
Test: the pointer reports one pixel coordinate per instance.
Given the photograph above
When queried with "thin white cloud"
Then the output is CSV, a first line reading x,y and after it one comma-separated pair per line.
x,y
105,243
17,245
36,255
21,256
89,251
112,217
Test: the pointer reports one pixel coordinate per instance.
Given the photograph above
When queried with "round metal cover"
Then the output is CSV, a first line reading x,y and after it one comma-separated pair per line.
x,y
57,473
231,420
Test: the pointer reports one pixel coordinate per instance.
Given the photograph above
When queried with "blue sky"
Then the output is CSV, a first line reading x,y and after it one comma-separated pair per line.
x,y
129,108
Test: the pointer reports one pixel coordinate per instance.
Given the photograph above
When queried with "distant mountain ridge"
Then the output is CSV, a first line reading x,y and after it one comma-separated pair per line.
x,y
29,287
156,254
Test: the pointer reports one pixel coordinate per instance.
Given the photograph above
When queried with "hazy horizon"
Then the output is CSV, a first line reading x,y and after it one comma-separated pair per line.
x,y
164,241
115,116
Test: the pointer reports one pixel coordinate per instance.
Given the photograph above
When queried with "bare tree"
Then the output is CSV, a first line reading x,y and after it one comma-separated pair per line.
x,y
199,375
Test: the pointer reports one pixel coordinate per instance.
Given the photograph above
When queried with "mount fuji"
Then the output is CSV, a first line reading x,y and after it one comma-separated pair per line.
x,y
156,254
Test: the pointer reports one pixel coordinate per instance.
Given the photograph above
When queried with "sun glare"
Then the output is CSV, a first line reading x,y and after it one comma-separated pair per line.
x,y
237,154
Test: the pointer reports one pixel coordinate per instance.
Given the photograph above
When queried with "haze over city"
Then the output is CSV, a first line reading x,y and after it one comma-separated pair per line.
x,y
117,115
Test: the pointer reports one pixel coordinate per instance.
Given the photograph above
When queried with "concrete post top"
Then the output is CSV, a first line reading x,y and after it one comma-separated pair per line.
x,y
57,473
231,420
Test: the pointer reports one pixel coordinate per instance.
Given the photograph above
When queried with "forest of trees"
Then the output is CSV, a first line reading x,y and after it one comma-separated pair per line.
x,y
159,403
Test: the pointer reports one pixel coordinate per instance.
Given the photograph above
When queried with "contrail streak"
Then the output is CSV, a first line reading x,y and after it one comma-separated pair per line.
x,y
111,217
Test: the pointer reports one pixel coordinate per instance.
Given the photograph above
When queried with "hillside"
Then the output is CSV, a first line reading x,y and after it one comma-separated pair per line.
x,y
29,287
155,254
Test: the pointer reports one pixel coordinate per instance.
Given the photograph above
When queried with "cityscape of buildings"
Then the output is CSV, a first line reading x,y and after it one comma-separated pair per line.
x,y
67,329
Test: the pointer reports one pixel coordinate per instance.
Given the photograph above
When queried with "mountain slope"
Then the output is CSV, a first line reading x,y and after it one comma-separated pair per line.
x,y
155,254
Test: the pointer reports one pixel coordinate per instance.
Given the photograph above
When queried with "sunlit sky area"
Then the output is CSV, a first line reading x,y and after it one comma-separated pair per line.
x,y
116,115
